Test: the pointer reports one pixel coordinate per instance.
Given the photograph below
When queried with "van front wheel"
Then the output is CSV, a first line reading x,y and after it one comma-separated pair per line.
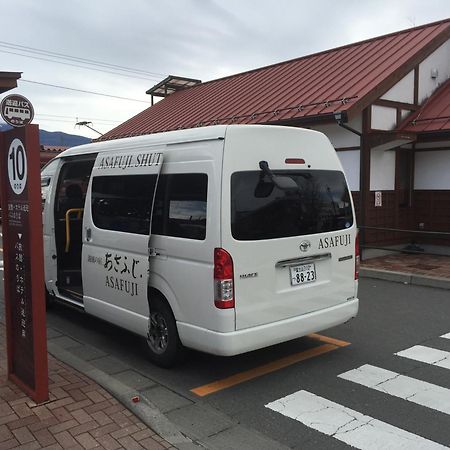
x,y
164,345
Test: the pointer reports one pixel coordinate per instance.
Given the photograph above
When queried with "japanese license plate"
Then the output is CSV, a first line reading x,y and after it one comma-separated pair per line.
x,y
303,274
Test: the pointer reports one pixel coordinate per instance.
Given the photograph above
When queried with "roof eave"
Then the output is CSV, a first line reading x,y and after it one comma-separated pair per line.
x,y
8,80
392,79
442,135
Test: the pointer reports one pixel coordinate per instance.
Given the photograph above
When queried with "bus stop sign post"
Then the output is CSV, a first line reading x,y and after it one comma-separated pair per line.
x,y
26,339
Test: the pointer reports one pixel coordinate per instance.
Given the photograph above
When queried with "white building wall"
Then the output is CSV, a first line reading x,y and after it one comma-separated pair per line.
x,y
350,162
382,170
383,118
403,91
439,60
432,170
340,137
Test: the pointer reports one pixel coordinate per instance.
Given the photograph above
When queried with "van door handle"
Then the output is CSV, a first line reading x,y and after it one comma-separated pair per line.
x,y
153,252
302,260
88,234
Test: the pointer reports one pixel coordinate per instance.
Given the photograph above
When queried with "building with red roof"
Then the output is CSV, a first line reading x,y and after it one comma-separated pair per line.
x,y
48,152
8,81
383,102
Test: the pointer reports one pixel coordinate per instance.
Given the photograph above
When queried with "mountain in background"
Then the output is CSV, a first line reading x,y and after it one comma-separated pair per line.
x,y
56,138
60,139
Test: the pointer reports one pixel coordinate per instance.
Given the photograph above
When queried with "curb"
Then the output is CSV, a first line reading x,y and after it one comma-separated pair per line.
x,y
195,426
144,409
405,278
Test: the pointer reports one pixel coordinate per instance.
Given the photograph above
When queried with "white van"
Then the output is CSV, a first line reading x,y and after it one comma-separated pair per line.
x,y
224,239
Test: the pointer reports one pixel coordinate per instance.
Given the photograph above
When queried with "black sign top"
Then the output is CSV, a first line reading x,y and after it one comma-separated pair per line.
x,y
16,110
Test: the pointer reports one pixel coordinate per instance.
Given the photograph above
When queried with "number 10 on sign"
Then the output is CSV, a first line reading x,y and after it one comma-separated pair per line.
x,y
17,166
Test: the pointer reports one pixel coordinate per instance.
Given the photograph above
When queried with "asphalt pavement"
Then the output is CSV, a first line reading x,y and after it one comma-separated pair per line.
x,y
383,375
393,317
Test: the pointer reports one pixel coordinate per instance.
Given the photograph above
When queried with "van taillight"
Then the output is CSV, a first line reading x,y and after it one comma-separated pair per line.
x,y
357,258
223,279
294,161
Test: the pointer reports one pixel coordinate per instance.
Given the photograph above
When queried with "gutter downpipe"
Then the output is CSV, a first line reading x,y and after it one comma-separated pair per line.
x,y
340,117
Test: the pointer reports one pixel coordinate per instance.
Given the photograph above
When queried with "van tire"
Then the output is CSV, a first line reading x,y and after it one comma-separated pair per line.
x,y
49,300
163,343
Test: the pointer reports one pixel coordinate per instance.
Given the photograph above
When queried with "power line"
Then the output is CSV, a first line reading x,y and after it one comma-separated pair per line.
x,y
76,118
54,120
82,67
73,121
84,91
78,59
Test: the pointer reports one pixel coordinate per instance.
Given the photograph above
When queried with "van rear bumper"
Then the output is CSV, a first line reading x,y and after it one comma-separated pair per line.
x,y
242,341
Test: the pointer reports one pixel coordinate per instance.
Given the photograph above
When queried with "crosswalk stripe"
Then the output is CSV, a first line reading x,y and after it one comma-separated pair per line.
x,y
446,336
427,355
346,425
410,389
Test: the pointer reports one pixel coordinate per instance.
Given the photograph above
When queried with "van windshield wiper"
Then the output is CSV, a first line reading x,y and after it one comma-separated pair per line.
x,y
264,166
281,182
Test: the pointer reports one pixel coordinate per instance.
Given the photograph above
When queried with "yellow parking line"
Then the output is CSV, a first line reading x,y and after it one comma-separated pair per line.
x,y
329,340
273,366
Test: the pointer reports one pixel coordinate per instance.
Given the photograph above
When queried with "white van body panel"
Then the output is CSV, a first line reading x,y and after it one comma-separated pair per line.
x,y
268,309
182,269
269,297
114,263
249,339
50,268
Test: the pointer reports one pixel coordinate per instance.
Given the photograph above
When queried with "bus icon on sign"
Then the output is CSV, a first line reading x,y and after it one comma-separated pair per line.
x,y
16,110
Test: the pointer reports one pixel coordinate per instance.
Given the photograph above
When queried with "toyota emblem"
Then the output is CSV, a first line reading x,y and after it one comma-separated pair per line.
x,y
305,246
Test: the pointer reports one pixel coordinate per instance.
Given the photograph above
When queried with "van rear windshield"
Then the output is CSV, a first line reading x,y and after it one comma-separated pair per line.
x,y
262,208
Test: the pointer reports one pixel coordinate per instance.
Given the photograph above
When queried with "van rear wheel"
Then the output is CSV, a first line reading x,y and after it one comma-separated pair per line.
x,y
165,348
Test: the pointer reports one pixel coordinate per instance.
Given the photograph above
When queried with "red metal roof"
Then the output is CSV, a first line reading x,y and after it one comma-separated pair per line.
x,y
433,116
343,79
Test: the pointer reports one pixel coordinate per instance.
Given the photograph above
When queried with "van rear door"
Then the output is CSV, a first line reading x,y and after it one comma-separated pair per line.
x,y
292,232
116,232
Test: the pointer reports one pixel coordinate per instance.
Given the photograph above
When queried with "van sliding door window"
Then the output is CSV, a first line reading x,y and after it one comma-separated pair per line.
x,y
180,206
261,210
123,203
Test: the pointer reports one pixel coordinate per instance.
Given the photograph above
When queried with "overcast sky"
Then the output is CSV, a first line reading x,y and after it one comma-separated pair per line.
x,y
203,39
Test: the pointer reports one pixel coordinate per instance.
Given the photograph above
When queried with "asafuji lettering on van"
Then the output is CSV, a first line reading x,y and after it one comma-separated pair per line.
x,y
129,160
204,238
341,240
120,284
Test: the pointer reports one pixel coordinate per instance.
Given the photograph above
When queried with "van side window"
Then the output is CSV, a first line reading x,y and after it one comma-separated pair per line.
x,y
180,206
123,203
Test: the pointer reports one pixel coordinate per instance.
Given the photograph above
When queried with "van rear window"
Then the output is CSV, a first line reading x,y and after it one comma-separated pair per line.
x,y
318,202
